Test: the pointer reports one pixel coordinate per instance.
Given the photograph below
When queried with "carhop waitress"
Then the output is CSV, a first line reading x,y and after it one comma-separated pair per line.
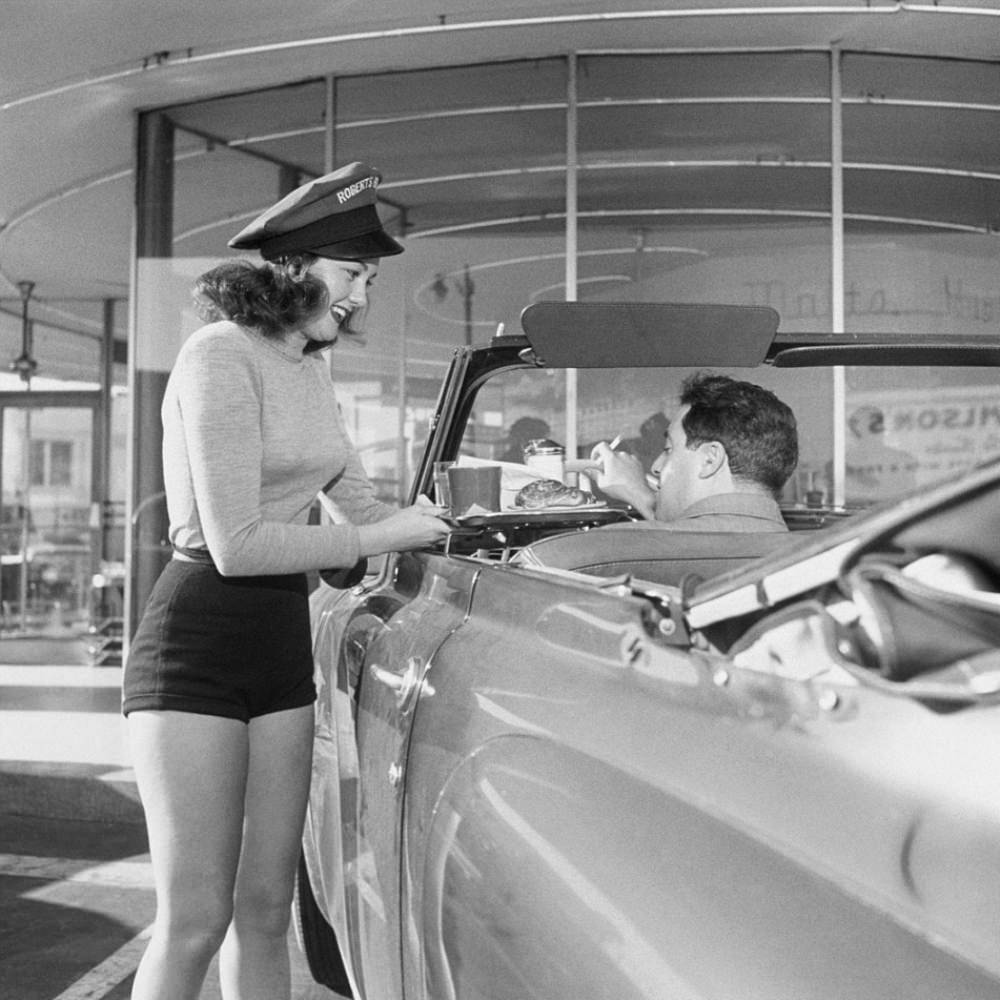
x,y
218,686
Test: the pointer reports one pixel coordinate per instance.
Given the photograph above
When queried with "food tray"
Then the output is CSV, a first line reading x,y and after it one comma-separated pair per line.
x,y
595,512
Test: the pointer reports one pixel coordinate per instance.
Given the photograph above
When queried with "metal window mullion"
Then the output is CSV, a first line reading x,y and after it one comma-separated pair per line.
x,y
837,270
330,125
572,236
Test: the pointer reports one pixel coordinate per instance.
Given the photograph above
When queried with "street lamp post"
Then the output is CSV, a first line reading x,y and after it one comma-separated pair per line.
x,y
25,365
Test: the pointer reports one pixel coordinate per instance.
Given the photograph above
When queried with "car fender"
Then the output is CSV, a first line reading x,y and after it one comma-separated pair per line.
x,y
528,891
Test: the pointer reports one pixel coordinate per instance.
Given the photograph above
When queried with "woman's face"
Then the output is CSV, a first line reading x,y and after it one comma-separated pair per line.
x,y
347,283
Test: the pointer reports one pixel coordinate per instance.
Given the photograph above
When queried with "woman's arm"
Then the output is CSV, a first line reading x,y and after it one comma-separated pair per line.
x,y
213,456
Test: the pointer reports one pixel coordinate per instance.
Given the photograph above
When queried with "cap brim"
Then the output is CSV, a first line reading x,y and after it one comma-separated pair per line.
x,y
376,244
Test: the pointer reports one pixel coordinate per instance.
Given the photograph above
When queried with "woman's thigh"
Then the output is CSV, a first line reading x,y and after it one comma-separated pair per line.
x,y
192,774
277,790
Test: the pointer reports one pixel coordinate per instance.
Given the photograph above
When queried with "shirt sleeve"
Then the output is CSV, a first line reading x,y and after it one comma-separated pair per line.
x,y
352,490
218,397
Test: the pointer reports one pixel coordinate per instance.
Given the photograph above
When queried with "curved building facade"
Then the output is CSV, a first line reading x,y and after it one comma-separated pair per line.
x,y
850,189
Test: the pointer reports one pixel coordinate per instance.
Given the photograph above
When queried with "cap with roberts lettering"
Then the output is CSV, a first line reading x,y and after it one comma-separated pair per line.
x,y
331,216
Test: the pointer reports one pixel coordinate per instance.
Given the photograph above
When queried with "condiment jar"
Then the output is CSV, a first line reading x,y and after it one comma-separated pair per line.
x,y
545,458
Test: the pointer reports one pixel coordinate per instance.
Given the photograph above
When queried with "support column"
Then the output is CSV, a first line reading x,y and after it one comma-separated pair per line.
x,y
102,431
147,549
330,126
289,178
100,489
572,238
837,272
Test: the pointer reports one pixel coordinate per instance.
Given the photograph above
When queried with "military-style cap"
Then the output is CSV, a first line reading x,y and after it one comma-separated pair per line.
x,y
331,216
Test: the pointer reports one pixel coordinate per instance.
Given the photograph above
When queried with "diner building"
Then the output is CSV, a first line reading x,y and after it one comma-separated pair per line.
x,y
838,162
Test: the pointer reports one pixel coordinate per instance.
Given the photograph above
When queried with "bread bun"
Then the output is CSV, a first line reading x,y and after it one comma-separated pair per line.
x,y
542,493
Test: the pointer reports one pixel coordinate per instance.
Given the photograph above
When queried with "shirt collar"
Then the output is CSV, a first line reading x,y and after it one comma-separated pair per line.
x,y
745,504
290,351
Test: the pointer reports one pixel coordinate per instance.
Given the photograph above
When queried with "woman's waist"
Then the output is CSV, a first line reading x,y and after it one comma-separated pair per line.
x,y
198,557
193,554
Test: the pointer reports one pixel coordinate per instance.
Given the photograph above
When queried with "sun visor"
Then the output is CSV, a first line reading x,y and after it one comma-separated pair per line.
x,y
920,351
648,334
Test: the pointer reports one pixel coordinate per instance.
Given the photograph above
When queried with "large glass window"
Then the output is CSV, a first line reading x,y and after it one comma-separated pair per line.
x,y
698,177
49,542
474,183
62,466
922,208
705,178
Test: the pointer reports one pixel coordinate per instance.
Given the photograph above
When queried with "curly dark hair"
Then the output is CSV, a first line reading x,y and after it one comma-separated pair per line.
x,y
756,428
272,297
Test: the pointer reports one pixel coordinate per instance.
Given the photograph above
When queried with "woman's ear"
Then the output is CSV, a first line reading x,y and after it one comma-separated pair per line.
x,y
297,268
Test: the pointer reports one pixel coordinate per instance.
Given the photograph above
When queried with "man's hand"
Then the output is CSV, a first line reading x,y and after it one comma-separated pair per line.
x,y
622,476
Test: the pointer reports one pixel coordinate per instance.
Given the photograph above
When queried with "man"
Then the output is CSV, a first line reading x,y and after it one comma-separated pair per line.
x,y
729,450
523,430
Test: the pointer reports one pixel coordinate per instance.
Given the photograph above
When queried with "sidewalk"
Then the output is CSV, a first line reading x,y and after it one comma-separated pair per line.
x,y
63,752
37,650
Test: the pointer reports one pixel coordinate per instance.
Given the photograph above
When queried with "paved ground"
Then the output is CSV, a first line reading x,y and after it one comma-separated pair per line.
x,y
62,715
59,650
77,899
76,893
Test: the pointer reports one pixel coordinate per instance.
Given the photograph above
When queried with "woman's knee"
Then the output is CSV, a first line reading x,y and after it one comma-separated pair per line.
x,y
196,923
264,910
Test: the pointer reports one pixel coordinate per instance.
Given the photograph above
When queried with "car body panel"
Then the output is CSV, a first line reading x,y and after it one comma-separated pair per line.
x,y
756,882
753,891
383,644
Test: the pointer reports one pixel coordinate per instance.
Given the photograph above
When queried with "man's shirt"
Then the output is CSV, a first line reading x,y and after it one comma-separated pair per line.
x,y
728,512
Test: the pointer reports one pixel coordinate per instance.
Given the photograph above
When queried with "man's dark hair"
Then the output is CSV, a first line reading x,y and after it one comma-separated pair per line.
x,y
756,428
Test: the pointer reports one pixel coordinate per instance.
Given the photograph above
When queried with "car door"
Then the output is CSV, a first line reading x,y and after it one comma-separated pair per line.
x,y
595,806
532,795
420,602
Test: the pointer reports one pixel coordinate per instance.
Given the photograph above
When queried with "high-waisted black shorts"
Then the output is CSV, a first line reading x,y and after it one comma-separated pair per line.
x,y
237,647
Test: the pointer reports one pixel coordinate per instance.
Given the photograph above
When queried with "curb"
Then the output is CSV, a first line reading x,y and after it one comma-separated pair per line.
x,y
89,792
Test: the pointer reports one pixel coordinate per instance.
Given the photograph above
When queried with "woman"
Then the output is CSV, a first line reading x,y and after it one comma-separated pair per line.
x,y
218,687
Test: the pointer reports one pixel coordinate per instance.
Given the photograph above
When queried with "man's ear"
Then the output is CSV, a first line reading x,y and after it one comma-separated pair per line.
x,y
713,459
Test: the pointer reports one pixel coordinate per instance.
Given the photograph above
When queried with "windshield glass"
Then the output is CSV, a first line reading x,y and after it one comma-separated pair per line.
x,y
866,434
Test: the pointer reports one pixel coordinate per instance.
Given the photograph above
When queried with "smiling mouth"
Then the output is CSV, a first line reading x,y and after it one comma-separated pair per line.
x,y
340,314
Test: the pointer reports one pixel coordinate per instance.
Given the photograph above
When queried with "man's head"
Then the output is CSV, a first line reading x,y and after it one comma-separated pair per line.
x,y
526,429
726,436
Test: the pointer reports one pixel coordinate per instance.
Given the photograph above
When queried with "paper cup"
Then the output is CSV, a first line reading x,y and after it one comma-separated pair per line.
x,y
475,489
442,488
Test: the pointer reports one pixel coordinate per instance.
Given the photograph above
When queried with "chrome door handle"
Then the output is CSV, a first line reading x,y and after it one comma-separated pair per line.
x,y
405,684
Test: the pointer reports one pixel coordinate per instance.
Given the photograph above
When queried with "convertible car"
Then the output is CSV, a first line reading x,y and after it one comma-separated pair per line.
x,y
567,756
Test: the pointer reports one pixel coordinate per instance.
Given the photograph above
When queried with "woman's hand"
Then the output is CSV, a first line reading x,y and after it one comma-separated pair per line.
x,y
410,528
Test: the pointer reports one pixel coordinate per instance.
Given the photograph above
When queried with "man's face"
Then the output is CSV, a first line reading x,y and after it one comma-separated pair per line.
x,y
677,471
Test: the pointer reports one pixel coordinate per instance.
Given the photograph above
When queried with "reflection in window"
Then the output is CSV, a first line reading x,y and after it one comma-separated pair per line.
x,y
923,425
701,177
51,463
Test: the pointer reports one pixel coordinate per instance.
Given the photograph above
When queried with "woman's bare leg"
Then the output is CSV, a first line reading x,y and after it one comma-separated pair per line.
x,y
253,964
191,772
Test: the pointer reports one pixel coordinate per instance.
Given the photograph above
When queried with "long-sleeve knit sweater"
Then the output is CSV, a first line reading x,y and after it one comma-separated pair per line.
x,y
251,433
